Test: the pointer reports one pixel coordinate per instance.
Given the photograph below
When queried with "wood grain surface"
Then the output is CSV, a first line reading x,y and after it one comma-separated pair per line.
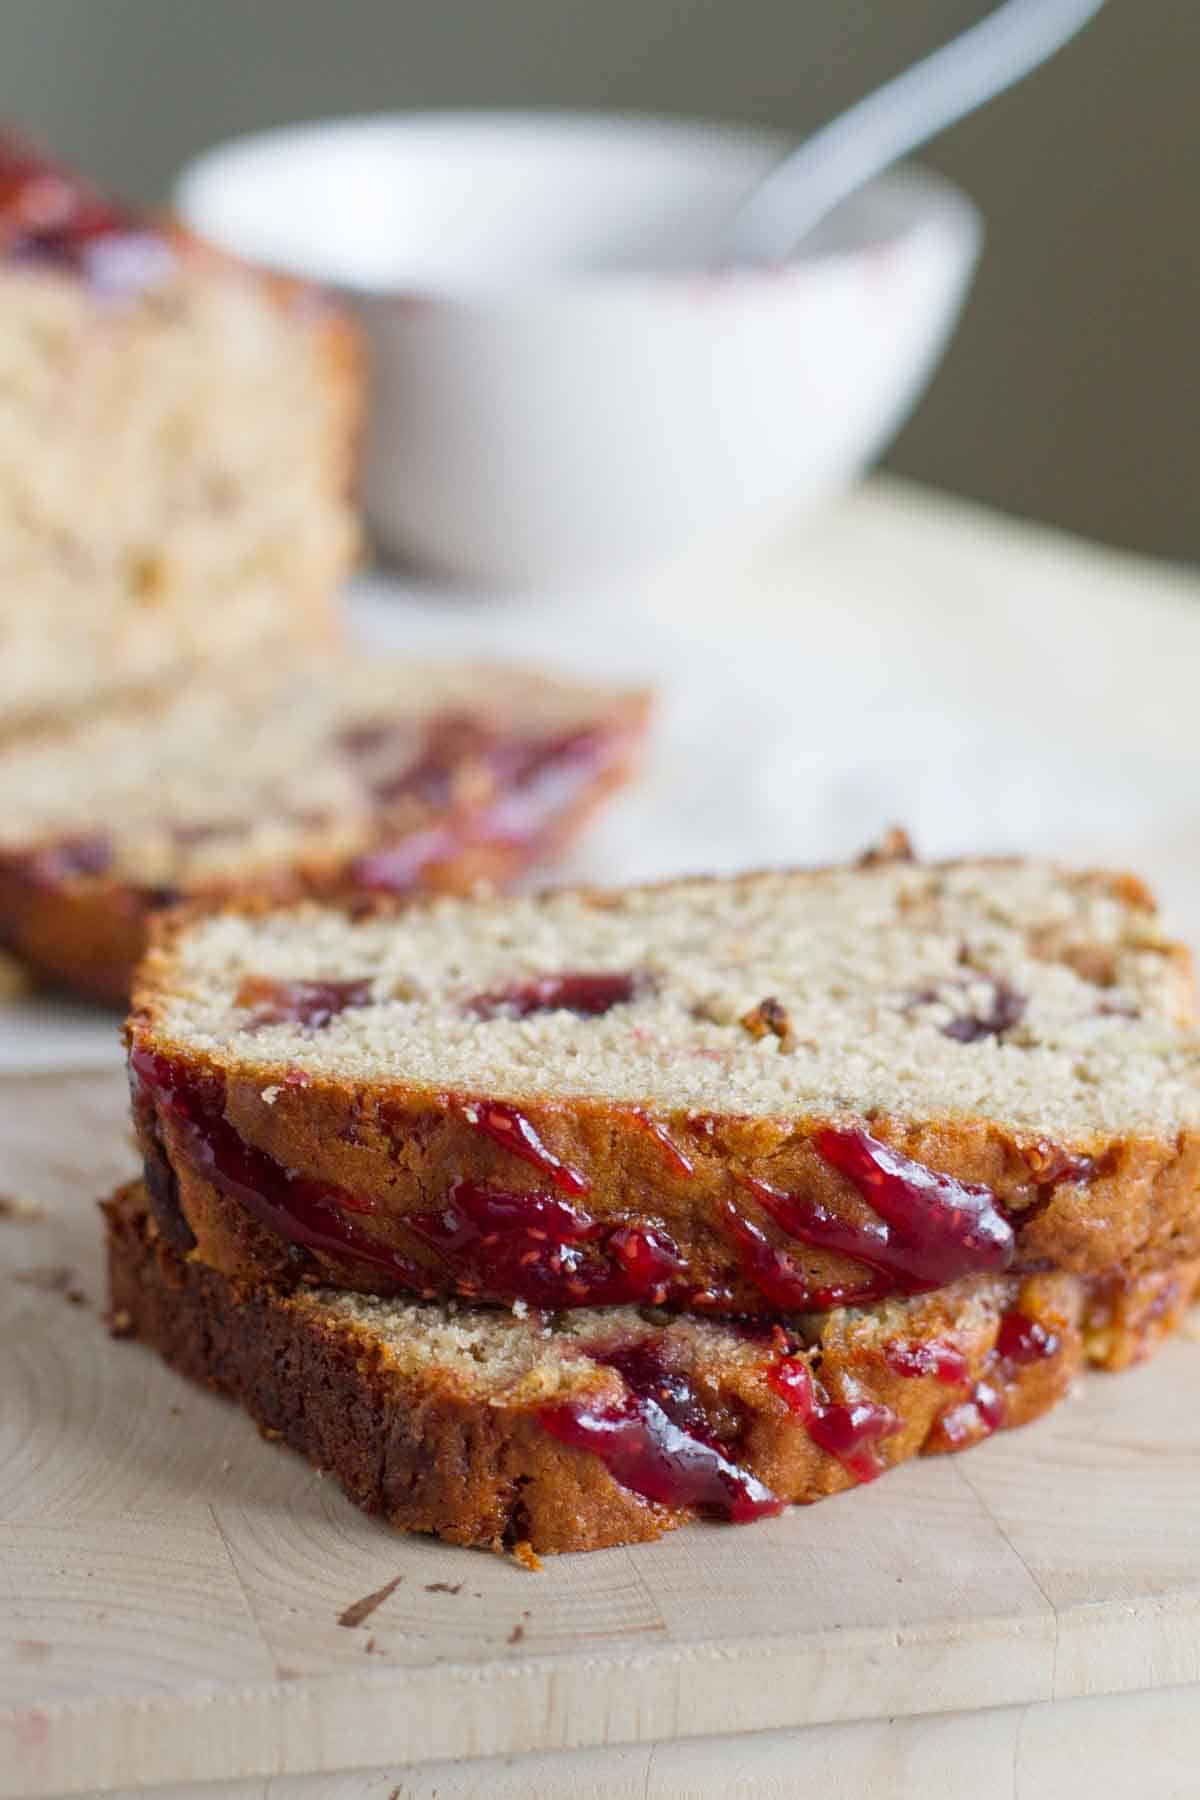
x,y
171,1586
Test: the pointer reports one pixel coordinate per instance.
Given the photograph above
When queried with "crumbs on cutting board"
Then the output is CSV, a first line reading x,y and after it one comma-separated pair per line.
x,y
360,1610
13,1206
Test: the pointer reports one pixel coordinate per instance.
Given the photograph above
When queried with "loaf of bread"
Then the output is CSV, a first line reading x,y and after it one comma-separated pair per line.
x,y
774,1093
609,1427
176,436
351,774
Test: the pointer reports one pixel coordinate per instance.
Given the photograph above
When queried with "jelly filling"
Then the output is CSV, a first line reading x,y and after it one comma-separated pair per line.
x,y
521,786
507,1126
785,1287
543,1250
404,866
935,1357
293,1207
981,1413
677,1160
50,215
311,1004
510,1246
56,864
658,1441
1023,1340
588,995
1020,1341
929,1229
849,1431
1006,1009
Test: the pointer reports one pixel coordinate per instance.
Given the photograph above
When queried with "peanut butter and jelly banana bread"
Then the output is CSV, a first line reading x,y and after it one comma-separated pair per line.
x,y
781,1092
348,775
176,441
609,1427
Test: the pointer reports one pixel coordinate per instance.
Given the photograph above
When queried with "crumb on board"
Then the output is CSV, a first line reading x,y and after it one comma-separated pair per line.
x,y
49,1278
360,1610
524,1553
120,1323
14,1206
517,1633
443,1587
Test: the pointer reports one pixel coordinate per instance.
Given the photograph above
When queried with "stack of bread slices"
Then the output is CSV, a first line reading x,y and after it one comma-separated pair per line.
x,y
549,1222
178,717
553,1222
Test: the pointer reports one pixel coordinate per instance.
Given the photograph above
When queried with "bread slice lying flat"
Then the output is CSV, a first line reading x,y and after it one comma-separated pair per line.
x,y
609,1427
782,1091
350,775
176,440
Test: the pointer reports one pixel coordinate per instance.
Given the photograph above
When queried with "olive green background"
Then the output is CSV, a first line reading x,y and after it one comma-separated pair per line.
x,y
1071,391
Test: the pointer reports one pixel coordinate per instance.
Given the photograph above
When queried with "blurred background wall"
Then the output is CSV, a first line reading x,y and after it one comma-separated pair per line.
x,y
1072,392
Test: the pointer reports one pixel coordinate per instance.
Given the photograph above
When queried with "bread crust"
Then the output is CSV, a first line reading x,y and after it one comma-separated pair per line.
x,y
87,933
427,1454
1088,1207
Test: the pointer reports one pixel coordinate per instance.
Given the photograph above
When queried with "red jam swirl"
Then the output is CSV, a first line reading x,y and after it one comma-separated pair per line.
x,y
311,1004
55,865
544,1251
540,780
792,1380
383,752
1052,1166
499,791
43,206
293,1207
785,1287
676,1158
851,1431
929,1228
944,1361
51,216
404,866
976,1417
507,1126
1023,1340
505,1246
586,994
658,1440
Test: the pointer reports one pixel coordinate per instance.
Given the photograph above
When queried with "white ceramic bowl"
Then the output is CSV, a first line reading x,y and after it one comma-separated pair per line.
x,y
563,382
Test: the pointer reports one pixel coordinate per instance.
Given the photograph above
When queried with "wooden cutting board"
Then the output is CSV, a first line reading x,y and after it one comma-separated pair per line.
x,y
173,1589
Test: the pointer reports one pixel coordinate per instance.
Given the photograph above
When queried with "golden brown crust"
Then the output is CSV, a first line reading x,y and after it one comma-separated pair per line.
x,y
429,1457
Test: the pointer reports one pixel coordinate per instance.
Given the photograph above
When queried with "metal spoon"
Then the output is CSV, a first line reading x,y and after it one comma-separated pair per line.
x,y
874,133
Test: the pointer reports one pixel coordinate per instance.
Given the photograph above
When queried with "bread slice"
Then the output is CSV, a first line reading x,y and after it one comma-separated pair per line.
x,y
609,1427
352,774
782,1091
176,438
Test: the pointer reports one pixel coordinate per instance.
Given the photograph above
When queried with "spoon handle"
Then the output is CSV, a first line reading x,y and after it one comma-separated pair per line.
x,y
884,126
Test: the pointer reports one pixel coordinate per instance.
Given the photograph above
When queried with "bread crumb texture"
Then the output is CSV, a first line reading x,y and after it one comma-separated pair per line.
x,y
1046,1000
